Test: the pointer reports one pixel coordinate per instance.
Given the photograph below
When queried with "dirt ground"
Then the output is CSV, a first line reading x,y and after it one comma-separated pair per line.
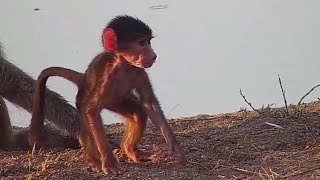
x,y
240,145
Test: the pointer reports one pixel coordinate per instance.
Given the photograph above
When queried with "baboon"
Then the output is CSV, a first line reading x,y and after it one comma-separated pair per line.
x,y
115,80
18,88
14,138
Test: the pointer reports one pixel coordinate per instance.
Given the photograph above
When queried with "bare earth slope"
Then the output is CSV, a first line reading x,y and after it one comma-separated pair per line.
x,y
227,146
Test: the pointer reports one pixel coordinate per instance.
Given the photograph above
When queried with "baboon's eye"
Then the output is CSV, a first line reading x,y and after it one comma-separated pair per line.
x,y
142,43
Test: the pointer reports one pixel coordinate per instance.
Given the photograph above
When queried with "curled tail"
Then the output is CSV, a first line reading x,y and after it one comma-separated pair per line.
x,y
69,74
37,120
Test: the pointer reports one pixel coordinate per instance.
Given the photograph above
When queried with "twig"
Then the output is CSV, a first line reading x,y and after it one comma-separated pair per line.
x,y
243,170
231,154
308,94
176,134
274,125
284,96
245,99
300,173
216,166
270,177
173,109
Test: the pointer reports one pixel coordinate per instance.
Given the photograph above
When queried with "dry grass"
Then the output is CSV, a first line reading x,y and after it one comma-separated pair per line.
x,y
236,145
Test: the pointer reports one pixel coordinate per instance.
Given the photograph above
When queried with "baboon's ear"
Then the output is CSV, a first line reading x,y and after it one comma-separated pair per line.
x,y
109,39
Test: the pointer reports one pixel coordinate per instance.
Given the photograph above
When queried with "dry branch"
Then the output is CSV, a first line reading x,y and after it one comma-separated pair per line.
x,y
308,93
176,134
172,110
284,96
302,172
249,171
245,99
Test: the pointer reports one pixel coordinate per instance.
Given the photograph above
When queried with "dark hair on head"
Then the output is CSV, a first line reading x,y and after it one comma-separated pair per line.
x,y
128,28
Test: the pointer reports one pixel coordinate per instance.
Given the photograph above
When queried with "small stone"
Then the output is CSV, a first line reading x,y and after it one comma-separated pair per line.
x,y
262,147
204,156
194,149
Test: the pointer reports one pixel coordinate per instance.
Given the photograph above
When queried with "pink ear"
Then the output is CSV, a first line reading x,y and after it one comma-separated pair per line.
x,y
109,39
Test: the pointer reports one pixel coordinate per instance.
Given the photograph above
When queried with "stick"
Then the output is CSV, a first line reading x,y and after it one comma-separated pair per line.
x,y
173,109
245,99
284,96
308,94
303,172
176,134
244,170
274,125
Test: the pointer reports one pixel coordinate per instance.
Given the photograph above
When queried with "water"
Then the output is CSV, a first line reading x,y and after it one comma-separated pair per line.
x,y
207,50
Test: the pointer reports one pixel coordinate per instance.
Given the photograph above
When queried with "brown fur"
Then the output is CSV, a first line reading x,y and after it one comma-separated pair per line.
x,y
13,138
5,126
18,88
108,83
